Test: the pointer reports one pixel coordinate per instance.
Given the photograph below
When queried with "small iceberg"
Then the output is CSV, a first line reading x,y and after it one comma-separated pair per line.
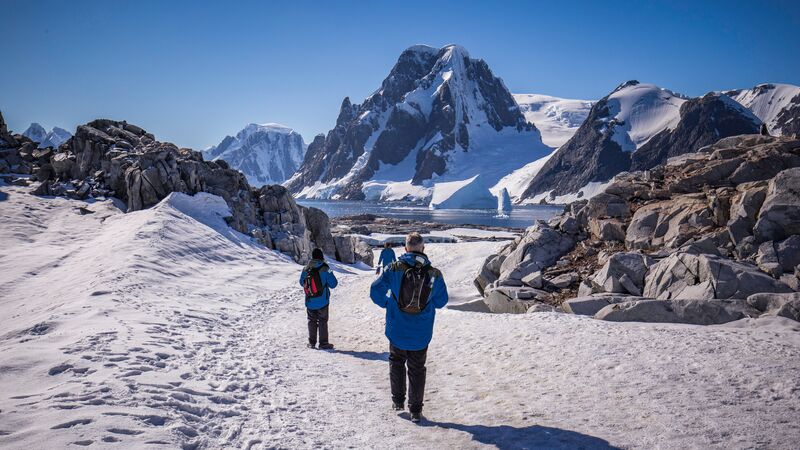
x,y
503,203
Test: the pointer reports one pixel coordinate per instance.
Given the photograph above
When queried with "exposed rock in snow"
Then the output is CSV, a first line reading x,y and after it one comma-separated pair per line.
x,y
777,105
696,312
637,126
556,118
439,117
266,154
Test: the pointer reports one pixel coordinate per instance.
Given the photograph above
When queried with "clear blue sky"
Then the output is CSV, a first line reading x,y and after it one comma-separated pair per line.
x,y
192,72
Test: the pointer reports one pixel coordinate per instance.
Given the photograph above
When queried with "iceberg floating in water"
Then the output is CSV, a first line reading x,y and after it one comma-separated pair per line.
x,y
503,202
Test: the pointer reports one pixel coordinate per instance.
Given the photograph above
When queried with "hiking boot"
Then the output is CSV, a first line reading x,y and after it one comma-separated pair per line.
x,y
326,346
310,345
398,406
416,417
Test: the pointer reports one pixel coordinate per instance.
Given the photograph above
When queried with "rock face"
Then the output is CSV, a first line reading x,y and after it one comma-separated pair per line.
x,y
717,225
437,118
636,127
265,154
111,158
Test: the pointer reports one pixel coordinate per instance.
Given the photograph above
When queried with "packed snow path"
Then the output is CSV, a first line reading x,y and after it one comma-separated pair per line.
x,y
162,328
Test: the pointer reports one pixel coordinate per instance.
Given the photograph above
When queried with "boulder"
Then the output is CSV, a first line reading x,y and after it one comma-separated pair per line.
x,y
767,259
540,247
684,275
589,305
533,280
564,280
363,252
541,307
771,304
320,228
691,311
512,300
623,273
744,209
669,223
488,273
607,230
345,251
789,253
779,216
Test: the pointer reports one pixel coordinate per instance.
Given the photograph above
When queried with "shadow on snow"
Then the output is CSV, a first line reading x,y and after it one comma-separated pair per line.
x,y
369,356
507,437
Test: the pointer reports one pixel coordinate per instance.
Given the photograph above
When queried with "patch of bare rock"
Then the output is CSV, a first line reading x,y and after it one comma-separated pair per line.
x,y
707,238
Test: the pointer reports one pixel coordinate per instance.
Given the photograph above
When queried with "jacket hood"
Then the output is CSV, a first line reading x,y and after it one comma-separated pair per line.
x,y
415,259
315,263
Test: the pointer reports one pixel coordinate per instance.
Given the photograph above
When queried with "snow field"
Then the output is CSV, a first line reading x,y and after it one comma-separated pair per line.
x,y
162,328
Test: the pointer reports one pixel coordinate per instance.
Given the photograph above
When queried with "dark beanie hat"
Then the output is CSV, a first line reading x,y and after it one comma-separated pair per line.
x,y
317,254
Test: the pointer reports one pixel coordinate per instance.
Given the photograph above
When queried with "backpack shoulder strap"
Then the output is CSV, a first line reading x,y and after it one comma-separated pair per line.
x,y
434,272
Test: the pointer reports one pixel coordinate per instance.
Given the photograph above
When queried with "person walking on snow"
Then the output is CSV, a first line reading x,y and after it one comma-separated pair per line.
x,y
387,257
415,291
317,281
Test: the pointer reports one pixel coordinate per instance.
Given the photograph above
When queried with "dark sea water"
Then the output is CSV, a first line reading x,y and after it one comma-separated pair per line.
x,y
520,217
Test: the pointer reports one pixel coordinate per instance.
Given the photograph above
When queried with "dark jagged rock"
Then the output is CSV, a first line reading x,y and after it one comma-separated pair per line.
x,y
112,158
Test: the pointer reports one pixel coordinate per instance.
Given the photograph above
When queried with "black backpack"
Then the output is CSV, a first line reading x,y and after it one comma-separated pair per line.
x,y
415,286
313,286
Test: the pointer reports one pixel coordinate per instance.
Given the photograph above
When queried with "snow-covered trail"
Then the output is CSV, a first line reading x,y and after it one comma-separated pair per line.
x,y
162,328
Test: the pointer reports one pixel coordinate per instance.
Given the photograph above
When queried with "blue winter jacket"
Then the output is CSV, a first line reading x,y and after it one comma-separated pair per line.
x,y
328,279
387,257
408,331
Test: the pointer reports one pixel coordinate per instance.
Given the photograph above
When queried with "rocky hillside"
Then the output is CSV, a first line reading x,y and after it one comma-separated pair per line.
x,y
636,127
708,237
265,154
108,158
777,105
438,118
53,138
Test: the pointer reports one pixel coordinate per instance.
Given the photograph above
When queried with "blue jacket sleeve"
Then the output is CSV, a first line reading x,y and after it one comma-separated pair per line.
x,y
302,277
439,295
330,280
379,289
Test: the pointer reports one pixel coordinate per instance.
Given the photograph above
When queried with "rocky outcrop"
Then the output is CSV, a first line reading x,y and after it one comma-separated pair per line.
x,y
717,226
696,312
785,305
109,158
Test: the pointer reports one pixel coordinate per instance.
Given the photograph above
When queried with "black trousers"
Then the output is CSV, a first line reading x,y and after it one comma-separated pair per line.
x,y
415,360
318,320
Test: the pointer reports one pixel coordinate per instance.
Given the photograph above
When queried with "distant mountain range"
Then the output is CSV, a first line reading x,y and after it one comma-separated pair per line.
x,y
556,118
54,138
265,154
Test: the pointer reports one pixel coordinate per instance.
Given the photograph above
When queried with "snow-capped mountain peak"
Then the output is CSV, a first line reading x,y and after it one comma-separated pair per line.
x,y
265,153
777,105
54,138
35,132
439,117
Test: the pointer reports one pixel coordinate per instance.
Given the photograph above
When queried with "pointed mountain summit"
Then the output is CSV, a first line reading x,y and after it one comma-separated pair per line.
x,y
54,138
777,105
265,154
440,117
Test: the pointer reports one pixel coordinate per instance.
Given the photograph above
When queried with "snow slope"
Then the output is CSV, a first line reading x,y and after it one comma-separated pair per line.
x,y
642,111
265,154
768,101
163,329
556,118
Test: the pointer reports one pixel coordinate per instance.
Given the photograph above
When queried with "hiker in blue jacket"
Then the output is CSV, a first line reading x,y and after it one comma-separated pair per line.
x,y
411,291
387,257
317,281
